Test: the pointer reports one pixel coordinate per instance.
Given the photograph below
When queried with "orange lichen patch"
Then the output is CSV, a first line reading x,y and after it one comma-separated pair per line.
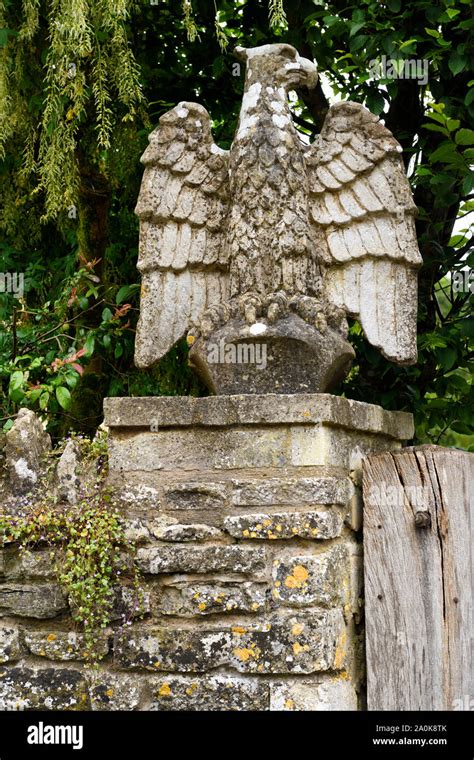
x,y
244,654
164,691
52,637
298,576
239,629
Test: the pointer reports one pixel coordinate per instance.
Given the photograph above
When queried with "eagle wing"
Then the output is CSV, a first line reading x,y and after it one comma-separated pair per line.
x,y
361,206
182,205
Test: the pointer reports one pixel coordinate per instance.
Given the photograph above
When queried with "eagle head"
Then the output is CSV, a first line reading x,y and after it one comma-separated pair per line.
x,y
279,65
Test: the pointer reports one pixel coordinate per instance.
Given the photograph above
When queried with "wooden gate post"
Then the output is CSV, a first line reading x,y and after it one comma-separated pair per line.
x,y
418,506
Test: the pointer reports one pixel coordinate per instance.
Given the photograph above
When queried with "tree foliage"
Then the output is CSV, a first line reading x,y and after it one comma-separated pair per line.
x,y
82,83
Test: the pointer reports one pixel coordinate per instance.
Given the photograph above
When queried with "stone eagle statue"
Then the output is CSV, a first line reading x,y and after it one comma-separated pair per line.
x,y
275,241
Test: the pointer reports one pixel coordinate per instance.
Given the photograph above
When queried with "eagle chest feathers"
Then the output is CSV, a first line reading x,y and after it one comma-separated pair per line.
x,y
268,228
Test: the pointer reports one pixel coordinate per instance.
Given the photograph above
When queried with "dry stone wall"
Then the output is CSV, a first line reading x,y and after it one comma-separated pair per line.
x,y
246,516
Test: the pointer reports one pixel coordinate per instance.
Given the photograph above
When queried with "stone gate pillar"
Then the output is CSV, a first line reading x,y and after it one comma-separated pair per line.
x,y
246,511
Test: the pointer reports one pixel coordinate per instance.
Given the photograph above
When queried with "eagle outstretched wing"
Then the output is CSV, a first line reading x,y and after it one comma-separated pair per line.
x,y
182,207
362,210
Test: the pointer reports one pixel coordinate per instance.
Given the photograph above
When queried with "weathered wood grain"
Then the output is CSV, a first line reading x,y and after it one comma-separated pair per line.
x,y
418,506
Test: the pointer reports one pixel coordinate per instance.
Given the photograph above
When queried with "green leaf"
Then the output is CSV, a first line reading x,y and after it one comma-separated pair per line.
x,y
106,315
468,184
456,63
123,294
89,345
465,137
63,396
44,399
375,102
394,5
16,380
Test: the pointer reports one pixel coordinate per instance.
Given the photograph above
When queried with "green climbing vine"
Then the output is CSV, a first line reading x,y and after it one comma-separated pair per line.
x,y
90,554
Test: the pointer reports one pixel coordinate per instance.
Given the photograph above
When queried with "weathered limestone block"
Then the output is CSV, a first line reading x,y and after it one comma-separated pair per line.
x,y
200,559
27,443
209,693
190,599
27,564
183,650
175,532
302,643
297,491
196,495
10,644
67,472
263,410
169,529
326,693
35,601
303,581
299,643
63,645
109,691
281,525
45,689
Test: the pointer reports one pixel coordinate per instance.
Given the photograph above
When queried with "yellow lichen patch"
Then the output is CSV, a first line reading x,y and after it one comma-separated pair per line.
x,y
297,629
297,648
52,637
246,533
239,629
164,691
157,664
298,576
255,605
109,693
289,704
244,654
340,654
258,526
279,528
202,606
190,340
277,583
191,689
266,523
